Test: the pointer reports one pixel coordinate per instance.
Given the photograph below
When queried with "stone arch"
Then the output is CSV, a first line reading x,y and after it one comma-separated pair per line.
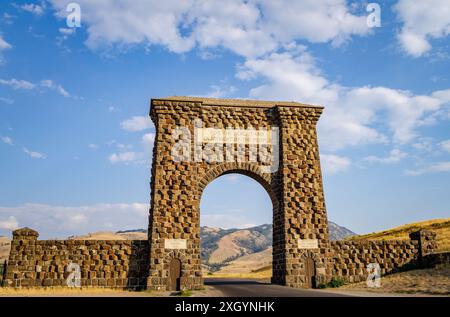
x,y
269,184
169,256
251,170
295,186
320,266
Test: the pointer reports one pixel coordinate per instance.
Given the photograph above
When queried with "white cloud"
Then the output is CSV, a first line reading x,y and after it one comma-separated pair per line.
x,y
133,22
226,221
9,224
440,167
4,45
77,219
394,156
126,157
445,145
46,83
352,115
7,100
7,140
233,178
221,90
93,146
137,123
248,28
32,8
50,84
148,139
66,31
17,84
413,44
34,154
422,22
61,221
333,164
123,147
424,144
315,21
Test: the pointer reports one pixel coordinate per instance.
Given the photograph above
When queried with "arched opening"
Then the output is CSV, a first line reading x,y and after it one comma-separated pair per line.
x,y
236,216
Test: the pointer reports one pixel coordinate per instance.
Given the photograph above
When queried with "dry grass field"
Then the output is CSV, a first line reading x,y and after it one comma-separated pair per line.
x,y
440,226
428,281
255,265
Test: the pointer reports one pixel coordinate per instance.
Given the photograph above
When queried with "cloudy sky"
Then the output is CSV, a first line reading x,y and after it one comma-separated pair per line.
x,y
75,139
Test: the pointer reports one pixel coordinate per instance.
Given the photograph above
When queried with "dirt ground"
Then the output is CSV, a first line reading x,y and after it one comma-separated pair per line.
x,y
100,292
426,282
412,283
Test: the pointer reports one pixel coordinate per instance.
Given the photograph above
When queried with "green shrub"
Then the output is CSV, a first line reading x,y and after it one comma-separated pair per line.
x,y
336,282
185,293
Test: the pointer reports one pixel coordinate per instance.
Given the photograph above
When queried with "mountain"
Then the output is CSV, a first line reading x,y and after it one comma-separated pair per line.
x,y
223,247
337,232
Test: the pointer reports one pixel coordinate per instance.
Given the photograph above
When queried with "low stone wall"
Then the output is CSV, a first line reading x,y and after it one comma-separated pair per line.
x,y
351,258
125,263
100,263
436,259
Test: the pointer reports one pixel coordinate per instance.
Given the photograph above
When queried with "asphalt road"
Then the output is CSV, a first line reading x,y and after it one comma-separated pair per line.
x,y
254,288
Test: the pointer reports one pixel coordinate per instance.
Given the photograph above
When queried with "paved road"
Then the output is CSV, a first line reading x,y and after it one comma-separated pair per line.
x,y
254,288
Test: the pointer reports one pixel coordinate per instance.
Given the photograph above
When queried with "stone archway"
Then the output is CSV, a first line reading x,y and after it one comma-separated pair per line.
x,y
292,179
269,185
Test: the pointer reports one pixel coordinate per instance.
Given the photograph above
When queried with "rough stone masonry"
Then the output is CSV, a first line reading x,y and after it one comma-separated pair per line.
x,y
295,188
302,253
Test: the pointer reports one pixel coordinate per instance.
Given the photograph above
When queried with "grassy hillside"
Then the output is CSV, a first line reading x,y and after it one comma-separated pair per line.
x,y
258,264
440,226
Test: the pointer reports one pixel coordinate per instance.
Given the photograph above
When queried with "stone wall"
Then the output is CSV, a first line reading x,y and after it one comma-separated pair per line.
x,y
436,259
124,263
351,258
102,263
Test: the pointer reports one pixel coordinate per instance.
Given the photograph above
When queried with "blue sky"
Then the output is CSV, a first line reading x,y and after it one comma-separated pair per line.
x,y
75,138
